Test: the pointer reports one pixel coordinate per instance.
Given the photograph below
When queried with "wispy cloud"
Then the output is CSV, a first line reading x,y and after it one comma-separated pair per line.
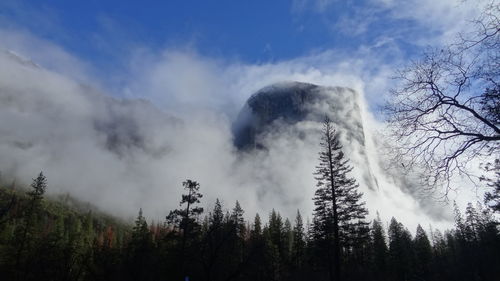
x,y
420,23
46,53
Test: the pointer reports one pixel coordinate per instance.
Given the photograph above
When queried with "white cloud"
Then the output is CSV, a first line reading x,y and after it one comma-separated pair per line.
x,y
122,155
444,19
45,53
417,22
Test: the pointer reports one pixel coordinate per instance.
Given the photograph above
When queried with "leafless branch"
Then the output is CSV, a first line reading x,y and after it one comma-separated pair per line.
x,y
445,111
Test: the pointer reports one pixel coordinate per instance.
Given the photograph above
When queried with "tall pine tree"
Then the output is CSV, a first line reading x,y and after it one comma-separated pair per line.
x,y
299,243
339,212
380,250
24,237
401,254
186,219
423,254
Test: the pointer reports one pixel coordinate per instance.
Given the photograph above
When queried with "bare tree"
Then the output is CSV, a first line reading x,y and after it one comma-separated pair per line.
x,y
445,112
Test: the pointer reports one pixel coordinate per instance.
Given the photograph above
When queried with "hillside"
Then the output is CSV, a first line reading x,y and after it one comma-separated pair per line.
x,y
53,237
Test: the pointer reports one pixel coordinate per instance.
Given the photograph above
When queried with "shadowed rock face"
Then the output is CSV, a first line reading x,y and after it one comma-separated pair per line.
x,y
289,109
288,103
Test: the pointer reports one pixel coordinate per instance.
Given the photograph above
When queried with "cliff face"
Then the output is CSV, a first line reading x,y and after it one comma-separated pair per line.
x,y
296,110
288,103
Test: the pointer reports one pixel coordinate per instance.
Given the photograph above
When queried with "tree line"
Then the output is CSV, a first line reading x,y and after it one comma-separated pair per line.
x,y
43,240
39,241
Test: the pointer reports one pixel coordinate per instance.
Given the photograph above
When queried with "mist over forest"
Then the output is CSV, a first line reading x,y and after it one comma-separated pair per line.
x,y
130,151
314,139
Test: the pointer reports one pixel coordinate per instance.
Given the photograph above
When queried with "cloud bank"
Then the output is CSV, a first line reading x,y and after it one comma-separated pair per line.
x,y
130,144
175,123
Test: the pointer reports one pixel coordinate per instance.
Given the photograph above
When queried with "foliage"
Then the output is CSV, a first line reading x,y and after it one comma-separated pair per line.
x,y
63,243
492,197
339,214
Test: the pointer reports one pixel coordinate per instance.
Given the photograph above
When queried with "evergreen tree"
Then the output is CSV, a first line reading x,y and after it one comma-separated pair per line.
x,y
215,238
258,269
140,250
400,251
299,244
274,242
65,244
24,239
39,185
140,231
339,214
257,228
472,224
272,257
441,265
238,235
186,219
380,250
216,218
287,240
492,198
239,222
423,254
275,228
488,247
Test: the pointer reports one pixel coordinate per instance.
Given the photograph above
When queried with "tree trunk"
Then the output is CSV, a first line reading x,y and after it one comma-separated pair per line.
x,y
336,244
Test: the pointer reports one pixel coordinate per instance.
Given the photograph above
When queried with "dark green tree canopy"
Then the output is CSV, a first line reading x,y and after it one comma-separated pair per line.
x,y
39,185
182,218
339,212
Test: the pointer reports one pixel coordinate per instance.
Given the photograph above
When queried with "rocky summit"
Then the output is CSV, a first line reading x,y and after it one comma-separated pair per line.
x,y
288,103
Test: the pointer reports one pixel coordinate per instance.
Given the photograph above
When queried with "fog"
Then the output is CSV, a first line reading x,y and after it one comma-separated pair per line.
x,y
171,120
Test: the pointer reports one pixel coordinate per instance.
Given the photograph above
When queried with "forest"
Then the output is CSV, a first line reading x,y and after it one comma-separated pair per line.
x,y
47,239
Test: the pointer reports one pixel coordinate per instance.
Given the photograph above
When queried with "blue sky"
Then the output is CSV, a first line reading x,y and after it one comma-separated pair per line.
x,y
251,31
105,37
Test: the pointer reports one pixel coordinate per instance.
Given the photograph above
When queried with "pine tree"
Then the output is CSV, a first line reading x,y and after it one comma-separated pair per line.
x,y
186,219
239,222
488,248
39,185
258,267
274,241
216,218
380,250
140,231
287,240
299,244
339,213
492,198
400,251
140,250
24,239
441,265
215,238
256,232
272,257
423,254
